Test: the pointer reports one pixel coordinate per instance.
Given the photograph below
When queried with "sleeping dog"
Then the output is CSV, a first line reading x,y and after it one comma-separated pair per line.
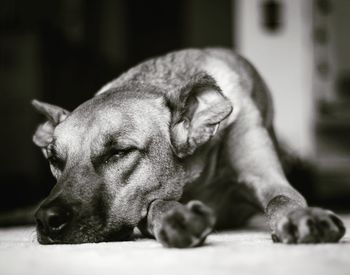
x,y
176,146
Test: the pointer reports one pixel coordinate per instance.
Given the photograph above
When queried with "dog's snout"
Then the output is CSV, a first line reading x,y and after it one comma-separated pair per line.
x,y
52,220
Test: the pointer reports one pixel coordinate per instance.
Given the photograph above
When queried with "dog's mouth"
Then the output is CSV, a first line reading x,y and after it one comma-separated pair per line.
x,y
123,234
42,239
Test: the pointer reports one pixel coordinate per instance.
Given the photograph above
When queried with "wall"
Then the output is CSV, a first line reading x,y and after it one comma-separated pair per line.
x,y
284,58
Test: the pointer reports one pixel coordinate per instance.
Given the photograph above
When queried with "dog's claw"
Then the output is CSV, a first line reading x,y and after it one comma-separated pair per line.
x,y
309,225
186,226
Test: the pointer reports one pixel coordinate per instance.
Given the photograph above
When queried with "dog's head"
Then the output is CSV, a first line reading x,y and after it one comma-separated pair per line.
x,y
115,154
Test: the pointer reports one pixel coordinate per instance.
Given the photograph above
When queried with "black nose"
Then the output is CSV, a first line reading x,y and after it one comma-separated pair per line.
x,y
52,220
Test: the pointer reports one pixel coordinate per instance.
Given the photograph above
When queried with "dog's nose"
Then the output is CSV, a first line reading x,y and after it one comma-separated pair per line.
x,y
52,220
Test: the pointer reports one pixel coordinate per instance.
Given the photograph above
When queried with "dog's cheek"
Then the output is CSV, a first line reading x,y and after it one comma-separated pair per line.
x,y
127,193
155,176
142,188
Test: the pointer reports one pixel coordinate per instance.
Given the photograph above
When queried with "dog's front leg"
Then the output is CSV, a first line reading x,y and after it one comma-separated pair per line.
x,y
176,225
253,157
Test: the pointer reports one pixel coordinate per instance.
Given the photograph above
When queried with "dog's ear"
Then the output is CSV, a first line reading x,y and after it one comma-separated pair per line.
x,y
202,108
55,115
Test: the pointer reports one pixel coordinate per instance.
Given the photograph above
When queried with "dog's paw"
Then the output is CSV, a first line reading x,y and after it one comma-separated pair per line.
x,y
309,225
186,226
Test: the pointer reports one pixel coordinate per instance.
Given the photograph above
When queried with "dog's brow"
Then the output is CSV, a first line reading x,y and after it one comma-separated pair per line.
x,y
120,140
110,139
107,141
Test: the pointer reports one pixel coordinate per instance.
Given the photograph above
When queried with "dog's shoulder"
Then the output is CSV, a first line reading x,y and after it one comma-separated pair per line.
x,y
241,83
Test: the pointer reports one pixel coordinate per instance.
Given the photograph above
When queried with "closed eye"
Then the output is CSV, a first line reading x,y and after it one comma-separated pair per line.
x,y
115,154
53,158
56,162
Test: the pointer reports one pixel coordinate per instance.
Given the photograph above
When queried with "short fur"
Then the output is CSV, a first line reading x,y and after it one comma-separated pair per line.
x,y
175,146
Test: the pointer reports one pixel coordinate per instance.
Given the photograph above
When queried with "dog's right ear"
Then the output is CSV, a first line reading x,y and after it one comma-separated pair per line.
x,y
55,115
197,115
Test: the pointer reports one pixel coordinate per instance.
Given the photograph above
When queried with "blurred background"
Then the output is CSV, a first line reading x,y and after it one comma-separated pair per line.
x,y
63,51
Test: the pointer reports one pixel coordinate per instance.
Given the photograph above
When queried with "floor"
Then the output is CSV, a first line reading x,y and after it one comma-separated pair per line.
x,y
238,252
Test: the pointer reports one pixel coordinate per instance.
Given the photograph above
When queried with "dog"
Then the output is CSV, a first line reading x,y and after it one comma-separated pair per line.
x,y
176,146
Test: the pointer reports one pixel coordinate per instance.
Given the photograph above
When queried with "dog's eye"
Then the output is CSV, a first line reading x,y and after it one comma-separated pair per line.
x,y
56,162
116,154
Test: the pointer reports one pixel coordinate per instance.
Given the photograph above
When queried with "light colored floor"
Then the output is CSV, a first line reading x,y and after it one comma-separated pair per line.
x,y
236,252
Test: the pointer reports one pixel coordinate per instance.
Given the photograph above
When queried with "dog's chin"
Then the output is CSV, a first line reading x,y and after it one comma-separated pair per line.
x,y
124,234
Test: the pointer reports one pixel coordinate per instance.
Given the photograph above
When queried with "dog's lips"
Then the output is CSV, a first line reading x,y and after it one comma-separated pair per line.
x,y
123,234
42,239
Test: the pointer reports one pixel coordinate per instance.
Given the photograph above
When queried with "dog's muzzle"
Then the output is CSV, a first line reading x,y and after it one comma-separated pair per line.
x,y
57,224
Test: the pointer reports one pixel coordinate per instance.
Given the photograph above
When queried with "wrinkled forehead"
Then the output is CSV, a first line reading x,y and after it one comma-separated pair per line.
x,y
97,121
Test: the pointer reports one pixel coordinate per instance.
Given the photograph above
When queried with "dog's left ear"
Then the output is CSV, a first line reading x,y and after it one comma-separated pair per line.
x,y
54,115
202,108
